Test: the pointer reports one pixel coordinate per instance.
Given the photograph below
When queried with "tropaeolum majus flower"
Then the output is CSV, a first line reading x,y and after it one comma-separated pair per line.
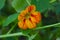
x,y
29,17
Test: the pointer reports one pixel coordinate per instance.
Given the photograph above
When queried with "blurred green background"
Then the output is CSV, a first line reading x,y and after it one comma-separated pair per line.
x,y
47,29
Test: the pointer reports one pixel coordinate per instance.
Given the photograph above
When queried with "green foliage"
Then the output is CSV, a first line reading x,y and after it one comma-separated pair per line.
x,y
41,4
19,4
2,2
47,29
10,19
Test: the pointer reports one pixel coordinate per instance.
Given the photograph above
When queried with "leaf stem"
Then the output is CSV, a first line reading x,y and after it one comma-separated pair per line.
x,y
11,29
11,35
54,25
33,36
28,2
52,1
20,33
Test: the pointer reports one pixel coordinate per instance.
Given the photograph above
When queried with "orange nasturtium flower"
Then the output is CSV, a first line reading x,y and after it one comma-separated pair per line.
x,y
29,17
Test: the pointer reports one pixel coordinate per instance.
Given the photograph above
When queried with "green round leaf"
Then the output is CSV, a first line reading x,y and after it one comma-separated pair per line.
x,y
41,4
19,4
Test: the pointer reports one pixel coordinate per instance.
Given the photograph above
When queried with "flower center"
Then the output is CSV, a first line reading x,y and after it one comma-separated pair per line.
x,y
27,15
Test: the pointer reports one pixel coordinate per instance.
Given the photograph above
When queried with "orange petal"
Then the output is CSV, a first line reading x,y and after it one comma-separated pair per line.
x,y
20,17
30,24
23,13
37,16
33,19
22,25
31,8
35,13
